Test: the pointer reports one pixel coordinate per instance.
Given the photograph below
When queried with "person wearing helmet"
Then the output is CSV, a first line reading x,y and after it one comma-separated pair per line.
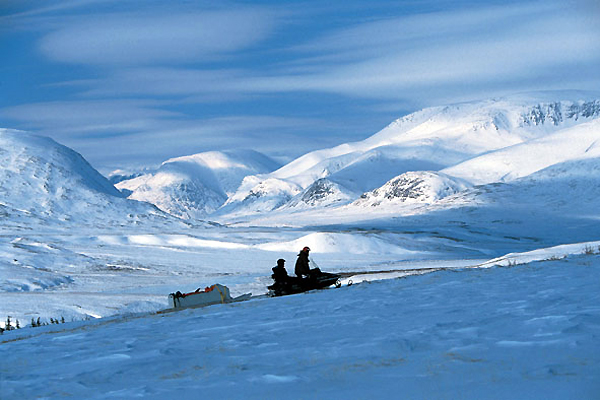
x,y
280,275
302,268
281,278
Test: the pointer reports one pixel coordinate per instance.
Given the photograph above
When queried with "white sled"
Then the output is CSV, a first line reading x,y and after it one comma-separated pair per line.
x,y
214,294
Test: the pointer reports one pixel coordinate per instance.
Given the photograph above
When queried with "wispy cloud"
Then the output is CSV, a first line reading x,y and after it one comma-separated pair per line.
x,y
432,56
476,48
87,118
142,131
147,38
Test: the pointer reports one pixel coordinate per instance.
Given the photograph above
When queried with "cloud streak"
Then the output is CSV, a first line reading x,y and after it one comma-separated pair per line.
x,y
142,39
433,56
515,45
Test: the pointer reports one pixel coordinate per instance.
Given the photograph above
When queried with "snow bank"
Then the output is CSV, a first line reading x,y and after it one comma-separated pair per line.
x,y
550,253
323,242
169,241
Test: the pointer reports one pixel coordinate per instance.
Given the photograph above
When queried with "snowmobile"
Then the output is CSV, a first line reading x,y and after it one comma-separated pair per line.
x,y
291,285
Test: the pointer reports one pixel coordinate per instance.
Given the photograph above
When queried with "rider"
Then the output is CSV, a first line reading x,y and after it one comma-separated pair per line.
x,y
280,275
302,268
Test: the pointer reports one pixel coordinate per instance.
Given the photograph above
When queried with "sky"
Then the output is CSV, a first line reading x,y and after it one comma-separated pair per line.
x,y
132,84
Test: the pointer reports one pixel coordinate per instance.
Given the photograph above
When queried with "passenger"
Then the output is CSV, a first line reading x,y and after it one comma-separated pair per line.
x,y
280,275
302,268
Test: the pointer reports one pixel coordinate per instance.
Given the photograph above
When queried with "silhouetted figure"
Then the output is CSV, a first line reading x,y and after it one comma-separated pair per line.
x,y
302,268
280,275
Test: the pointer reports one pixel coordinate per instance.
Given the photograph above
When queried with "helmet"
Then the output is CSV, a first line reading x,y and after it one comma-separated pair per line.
x,y
306,248
280,261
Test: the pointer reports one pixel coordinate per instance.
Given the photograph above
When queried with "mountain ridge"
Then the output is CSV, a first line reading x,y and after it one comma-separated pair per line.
x,y
434,139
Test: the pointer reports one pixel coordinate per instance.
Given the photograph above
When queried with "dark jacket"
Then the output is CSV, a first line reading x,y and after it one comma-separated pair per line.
x,y
302,267
279,274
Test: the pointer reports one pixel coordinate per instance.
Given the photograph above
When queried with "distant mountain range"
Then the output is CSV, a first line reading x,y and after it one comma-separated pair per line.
x,y
191,187
428,155
436,157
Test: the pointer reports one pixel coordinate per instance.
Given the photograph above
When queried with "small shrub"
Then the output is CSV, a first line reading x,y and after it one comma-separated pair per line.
x,y
8,325
589,250
512,263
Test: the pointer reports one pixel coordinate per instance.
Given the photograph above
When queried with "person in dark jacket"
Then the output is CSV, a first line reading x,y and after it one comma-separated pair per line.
x,y
302,268
280,275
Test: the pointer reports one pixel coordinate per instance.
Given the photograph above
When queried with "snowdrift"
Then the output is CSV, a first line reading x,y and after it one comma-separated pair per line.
x,y
322,242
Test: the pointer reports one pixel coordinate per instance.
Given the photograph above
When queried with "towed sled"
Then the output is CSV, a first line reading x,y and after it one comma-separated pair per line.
x,y
292,285
215,294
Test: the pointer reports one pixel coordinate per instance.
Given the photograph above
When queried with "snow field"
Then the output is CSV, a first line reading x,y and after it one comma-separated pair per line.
x,y
523,332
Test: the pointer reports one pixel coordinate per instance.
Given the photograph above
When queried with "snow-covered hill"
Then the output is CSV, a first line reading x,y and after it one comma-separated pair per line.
x,y
413,187
480,142
43,182
191,187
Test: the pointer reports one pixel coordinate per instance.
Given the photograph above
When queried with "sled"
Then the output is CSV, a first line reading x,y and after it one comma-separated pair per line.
x,y
215,294
319,280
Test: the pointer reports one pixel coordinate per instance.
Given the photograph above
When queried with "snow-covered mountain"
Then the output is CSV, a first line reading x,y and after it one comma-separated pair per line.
x,y
44,182
432,157
579,142
413,187
191,187
478,142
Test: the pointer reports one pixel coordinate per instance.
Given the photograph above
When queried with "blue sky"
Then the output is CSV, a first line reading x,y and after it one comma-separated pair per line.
x,y
133,83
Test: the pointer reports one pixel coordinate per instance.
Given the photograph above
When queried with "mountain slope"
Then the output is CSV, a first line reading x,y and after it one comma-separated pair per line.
x,y
412,187
193,186
579,142
432,139
45,182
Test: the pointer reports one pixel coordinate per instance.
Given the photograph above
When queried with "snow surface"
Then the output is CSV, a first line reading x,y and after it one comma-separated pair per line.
x,y
523,332
507,164
45,183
